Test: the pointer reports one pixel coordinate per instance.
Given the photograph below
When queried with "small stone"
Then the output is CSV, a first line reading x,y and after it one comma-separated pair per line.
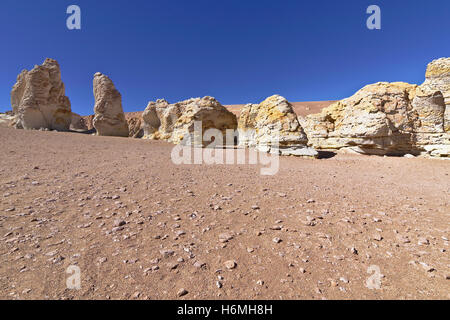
x,y
276,240
119,223
423,242
102,260
225,237
199,264
172,266
403,239
180,233
344,280
426,267
116,229
377,237
182,292
167,253
230,264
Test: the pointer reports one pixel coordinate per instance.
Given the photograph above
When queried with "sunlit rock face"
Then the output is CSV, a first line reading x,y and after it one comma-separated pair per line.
x,y
175,122
109,119
383,119
38,99
438,78
272,126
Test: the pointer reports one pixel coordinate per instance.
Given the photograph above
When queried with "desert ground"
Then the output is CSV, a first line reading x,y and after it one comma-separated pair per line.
x,y
140,227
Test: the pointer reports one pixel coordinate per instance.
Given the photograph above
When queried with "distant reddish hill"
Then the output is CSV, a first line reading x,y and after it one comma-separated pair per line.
x,y
300,108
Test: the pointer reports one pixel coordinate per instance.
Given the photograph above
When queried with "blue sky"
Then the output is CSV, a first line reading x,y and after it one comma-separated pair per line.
x,y
238,51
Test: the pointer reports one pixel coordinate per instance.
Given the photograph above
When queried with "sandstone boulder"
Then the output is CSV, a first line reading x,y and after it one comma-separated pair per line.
x,y
176,122
78,123
431,137
135,126
438,78
7,119
38,99
272,126
382,119
109,119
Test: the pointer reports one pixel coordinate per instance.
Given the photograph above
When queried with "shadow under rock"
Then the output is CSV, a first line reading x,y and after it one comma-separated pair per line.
x,y
326,154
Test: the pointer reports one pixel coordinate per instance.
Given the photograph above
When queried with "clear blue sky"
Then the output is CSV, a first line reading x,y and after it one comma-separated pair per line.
x,y
238,51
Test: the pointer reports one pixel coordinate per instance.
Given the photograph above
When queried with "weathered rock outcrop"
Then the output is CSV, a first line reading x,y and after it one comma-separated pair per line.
x,y
438,78
272,126
38,99
7,118
175,122
383,119
109,119
78,123
135,126
88,120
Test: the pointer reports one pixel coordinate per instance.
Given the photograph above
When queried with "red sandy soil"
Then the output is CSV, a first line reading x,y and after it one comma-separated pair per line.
x,y
63,194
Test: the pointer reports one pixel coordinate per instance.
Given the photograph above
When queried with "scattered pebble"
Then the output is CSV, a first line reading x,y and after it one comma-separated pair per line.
x,y
182,292
230,264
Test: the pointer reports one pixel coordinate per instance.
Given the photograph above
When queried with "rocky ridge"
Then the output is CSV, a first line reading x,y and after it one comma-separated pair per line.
x,y
175,122
388,118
